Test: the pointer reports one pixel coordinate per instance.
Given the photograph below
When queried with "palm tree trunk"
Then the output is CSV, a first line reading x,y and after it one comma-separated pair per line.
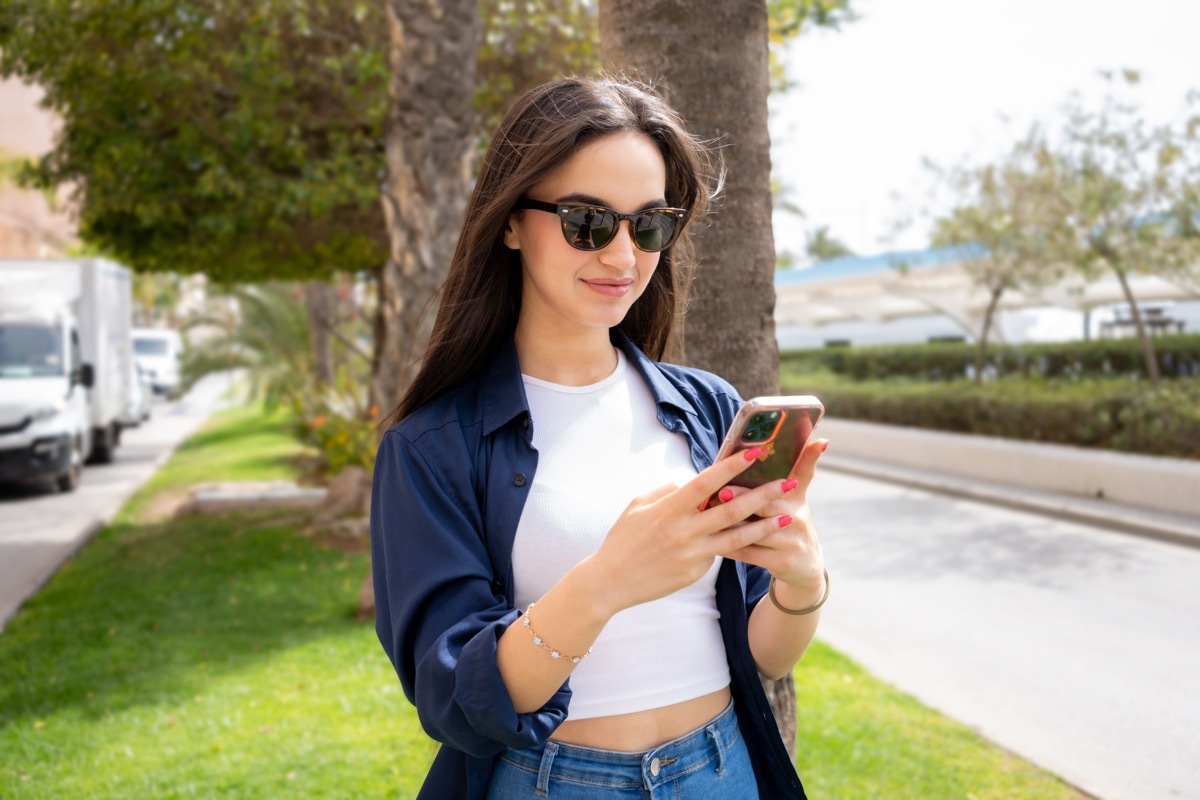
x,y
430,143
712,61
320,300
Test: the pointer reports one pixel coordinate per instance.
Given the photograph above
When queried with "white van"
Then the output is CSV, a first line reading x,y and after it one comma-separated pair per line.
x,y
158,352
65,366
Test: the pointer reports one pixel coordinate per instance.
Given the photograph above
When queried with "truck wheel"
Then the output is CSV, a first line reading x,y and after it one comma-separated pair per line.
x,y
104,442
69,480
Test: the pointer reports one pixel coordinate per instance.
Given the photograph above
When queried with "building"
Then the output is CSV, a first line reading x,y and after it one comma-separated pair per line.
x,y
926,295
30,226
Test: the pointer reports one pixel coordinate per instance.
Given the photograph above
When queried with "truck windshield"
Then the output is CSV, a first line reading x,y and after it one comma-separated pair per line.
x,y
150,347
30,351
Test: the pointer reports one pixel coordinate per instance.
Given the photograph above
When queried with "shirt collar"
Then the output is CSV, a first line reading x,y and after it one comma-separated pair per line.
x,y
504,391
665,392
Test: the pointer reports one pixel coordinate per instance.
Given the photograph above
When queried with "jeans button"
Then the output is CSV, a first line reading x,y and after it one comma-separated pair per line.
x,y
655,767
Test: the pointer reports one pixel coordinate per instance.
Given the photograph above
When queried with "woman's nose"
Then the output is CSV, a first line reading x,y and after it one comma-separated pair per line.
x,y
620,252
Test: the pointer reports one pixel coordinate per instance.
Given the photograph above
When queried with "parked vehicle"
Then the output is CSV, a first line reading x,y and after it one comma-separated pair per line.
x,y
65,366
141,395
158,352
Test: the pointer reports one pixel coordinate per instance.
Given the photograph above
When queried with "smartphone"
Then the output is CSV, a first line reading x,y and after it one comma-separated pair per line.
x,y
778,425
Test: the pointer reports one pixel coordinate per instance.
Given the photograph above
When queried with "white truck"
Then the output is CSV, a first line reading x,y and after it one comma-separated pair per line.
x,y
158,352
65,366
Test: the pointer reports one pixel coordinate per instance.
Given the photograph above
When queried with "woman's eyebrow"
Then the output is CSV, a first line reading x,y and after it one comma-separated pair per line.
x,y
591,200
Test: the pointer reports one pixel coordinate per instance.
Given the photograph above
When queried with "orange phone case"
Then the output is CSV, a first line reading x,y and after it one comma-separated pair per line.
x,y
780,426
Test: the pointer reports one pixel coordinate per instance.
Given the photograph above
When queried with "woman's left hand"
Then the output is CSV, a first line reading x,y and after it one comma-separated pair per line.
x,y
793,553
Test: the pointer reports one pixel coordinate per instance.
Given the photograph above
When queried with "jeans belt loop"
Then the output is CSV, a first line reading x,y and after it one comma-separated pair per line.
x,y
715,735
543,781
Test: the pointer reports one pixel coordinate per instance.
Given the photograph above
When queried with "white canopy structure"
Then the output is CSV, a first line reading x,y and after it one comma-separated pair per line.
x,y
891,286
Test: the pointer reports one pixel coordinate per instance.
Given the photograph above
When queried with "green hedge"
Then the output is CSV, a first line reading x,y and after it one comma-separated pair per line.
x,y
1178,357
1116,414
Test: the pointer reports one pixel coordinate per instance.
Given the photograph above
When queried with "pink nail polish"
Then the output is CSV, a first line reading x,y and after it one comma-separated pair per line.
x,y
725,494
785,520
824,445
752,453
789,484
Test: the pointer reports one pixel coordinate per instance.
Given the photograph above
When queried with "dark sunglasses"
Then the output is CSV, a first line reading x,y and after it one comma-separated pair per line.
x,y
593,227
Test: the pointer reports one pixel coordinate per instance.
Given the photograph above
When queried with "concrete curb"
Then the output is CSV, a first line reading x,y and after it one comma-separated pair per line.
x,y
1169,527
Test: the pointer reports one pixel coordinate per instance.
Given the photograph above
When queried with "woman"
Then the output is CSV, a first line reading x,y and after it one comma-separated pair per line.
x,y
566,620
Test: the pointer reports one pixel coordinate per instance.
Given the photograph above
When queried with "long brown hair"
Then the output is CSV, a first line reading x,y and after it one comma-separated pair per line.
x,y
481,297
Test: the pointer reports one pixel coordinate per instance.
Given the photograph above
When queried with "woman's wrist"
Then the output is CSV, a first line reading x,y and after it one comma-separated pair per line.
x,y
598,594
795,598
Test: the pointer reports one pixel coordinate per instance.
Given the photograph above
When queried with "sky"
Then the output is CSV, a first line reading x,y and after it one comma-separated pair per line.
x,y
950,81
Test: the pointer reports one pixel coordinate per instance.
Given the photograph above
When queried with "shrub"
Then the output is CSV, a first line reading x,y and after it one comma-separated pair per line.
x,y
1118,414
1178,357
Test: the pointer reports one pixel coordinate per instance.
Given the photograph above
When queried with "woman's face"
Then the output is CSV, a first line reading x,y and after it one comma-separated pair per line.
x,y
566,291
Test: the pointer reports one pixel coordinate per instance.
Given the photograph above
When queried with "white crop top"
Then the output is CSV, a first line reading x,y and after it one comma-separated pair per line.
x,y
600,446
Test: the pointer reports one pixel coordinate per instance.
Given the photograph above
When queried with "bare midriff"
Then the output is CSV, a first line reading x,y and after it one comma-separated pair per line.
x,y
643,730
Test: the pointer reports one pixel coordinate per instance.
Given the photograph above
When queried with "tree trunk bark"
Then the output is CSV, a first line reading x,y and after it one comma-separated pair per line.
x,y
430,143
981,350
710,61
320,299
1148,354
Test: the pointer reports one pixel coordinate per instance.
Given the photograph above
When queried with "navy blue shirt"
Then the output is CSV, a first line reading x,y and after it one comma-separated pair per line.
x,y
450,483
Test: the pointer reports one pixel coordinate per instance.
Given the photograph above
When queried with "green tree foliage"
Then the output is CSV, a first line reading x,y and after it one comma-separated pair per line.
x,y
1132,195
824,246
787,19
242,140
265,331
526,43
1007,226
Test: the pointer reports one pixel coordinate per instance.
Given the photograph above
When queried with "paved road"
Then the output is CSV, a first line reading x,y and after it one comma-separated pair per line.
x,y
1076,647
40,529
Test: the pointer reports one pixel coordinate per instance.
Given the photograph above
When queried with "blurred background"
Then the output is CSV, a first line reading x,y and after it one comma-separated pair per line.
x,y
972,229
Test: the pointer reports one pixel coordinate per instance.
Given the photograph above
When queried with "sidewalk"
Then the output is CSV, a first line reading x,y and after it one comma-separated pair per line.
x,y
1017,474
39,530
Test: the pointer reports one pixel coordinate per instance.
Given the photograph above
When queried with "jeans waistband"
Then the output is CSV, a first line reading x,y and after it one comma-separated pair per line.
x,y
646,768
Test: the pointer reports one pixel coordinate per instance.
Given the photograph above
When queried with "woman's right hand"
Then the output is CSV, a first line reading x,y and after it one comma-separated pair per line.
x,y
663,542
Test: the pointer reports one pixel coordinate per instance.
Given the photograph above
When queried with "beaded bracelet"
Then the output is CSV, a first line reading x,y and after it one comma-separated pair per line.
x,y
800,612
538,640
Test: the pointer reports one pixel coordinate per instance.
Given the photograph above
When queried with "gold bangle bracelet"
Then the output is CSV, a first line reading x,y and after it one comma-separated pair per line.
x,y
801,612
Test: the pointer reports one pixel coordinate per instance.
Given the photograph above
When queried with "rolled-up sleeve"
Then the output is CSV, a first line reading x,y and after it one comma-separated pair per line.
x,y
440,611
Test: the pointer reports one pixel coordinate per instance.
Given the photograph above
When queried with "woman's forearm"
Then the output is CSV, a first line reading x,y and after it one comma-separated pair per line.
x,y
567,620
778,640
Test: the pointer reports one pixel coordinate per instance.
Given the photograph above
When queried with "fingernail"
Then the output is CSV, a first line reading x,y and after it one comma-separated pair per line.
x,y
789,484
752,453
824,445
785,520
725,494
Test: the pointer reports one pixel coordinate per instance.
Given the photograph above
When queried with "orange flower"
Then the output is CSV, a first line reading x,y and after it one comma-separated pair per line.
x,y
318,421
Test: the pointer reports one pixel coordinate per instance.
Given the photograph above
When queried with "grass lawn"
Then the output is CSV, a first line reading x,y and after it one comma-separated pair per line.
x,y
220,657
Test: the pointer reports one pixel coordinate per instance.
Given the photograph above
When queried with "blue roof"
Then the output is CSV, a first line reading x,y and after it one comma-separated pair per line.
x,y
854,266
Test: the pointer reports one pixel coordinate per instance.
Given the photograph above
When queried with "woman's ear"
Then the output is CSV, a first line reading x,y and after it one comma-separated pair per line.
x,y
511,239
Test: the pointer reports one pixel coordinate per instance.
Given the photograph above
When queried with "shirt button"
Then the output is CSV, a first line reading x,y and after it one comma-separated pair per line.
x,y
519,479
655,767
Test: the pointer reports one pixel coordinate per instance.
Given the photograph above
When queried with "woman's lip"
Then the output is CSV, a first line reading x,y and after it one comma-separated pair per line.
x,y
610,288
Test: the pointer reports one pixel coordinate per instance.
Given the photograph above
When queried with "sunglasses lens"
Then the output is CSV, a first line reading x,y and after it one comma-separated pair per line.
x,y
589,228
654,230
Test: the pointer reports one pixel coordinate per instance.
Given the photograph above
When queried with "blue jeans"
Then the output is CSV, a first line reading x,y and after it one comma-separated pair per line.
x,y
710,763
